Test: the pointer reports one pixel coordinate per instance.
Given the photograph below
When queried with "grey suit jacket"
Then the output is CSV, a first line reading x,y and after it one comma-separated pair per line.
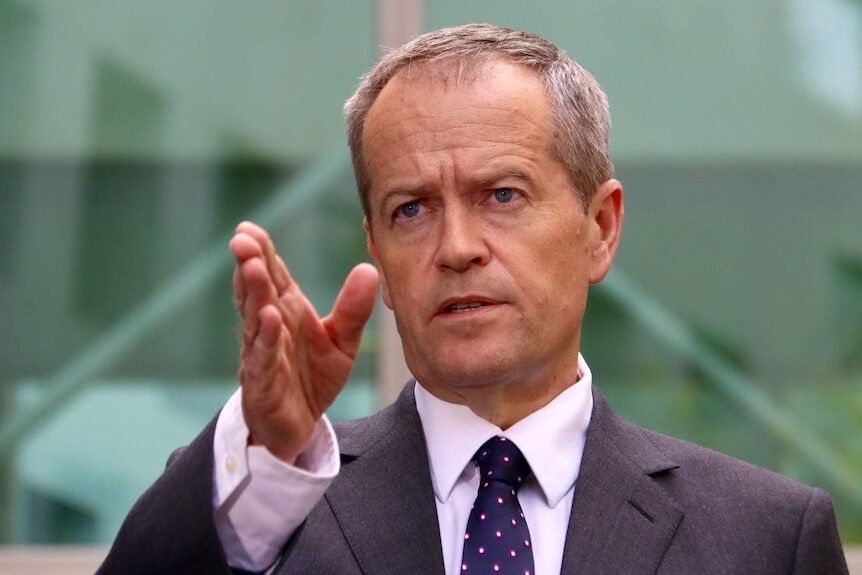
x,y
644,503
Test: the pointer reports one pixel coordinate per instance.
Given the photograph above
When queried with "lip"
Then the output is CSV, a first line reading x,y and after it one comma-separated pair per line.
x,y
486,302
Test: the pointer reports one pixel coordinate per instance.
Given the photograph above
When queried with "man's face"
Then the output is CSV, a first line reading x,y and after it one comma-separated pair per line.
x,y
485,252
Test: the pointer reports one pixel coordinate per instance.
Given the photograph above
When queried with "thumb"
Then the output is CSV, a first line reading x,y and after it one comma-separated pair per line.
x,y
352,308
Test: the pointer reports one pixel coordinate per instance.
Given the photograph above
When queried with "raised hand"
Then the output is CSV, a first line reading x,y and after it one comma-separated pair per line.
x,y
293,363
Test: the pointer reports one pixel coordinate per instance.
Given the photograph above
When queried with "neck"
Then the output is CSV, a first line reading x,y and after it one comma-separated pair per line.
x,y
505,404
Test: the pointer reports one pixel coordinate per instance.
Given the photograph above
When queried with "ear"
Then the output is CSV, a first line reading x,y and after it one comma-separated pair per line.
x,y
375,257
605,214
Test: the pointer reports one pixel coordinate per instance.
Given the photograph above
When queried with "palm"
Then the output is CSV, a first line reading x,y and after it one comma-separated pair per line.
x,y
293,363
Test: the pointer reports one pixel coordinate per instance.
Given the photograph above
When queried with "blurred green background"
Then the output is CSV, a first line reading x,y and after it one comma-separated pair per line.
x,y
134,135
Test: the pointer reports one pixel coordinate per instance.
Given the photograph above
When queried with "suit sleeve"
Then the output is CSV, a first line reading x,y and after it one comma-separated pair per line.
x,y
818,548
260,501
170,529
221,504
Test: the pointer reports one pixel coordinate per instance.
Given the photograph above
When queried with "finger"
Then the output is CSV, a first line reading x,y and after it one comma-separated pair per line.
x,y
282,274
352,308
259,293
244,247
277,270
270,326
239,291
239,297
262,363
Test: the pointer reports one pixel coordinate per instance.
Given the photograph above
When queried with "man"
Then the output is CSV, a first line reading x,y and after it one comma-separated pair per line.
x,y
481,157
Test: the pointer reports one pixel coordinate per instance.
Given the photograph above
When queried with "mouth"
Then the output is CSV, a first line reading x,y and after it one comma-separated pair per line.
x,y
466,305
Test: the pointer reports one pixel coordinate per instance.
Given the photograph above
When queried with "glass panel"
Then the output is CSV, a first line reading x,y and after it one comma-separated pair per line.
x,y
135,136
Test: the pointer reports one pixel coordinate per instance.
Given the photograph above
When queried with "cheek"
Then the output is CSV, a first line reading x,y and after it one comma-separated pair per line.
x,y
401,290
562,268
384,291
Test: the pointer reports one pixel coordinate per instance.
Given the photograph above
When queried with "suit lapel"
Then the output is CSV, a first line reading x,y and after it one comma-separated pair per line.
x,y
621,521
383,499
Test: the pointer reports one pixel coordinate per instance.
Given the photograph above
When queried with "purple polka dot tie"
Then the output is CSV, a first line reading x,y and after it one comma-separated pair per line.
x,y
497,539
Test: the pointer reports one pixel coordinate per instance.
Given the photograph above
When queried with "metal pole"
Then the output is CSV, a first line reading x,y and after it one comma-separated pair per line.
x,y
398,21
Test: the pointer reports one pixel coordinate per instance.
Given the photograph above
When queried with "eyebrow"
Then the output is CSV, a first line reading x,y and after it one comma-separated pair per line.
x,y
493,176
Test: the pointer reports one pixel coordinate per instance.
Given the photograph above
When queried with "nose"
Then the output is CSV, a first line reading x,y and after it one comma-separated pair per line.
x,y
462,242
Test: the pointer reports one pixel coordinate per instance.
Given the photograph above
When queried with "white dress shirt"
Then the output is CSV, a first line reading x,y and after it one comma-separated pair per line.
x,y
259,501
551,439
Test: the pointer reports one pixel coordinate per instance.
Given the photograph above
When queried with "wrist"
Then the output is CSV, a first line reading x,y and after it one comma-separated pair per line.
x,y
288,456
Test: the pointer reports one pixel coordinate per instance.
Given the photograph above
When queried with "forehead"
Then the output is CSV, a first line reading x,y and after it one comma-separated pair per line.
x,y
448,87
443,107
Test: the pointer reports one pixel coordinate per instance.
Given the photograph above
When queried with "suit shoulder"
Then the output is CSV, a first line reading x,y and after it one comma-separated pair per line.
x,y
354,430
724,478
735,505
359,435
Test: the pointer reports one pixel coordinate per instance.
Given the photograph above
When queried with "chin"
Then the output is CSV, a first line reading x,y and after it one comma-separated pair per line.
x,y
463,368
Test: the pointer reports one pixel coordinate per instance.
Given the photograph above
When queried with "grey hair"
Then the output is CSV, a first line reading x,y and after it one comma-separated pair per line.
x,y
578,104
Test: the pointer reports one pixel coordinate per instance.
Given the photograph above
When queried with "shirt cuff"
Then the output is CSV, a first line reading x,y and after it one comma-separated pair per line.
x,y
259,500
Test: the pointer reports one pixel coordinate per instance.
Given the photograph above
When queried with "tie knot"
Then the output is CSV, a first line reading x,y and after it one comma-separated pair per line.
x,y
499,459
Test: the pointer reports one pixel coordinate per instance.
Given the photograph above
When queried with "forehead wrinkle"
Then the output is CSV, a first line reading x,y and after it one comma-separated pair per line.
x,y
486,116
512,158
408,161
478,135
413,138
429,123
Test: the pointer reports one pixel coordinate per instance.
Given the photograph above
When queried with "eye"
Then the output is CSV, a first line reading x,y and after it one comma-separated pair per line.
x,y
504,195
408,210
500,196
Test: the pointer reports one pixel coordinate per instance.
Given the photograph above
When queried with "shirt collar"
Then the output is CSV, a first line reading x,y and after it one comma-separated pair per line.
x,y
453,434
